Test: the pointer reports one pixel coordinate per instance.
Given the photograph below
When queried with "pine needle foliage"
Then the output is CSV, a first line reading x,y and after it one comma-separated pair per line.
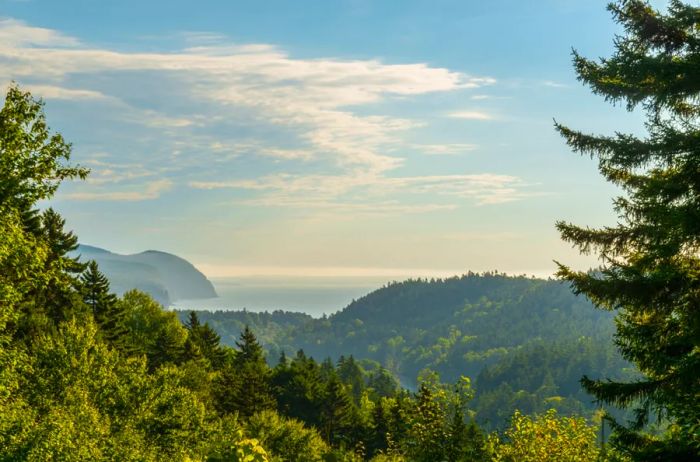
x,y
650,274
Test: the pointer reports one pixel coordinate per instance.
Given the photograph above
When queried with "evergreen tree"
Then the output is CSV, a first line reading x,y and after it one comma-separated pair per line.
x,y
650,258
202,340
465,443
192,323
282,361
108,314
59,296
166,349
299,389
428,436
380,422
245,382
336,413
95,288
351,374
210,345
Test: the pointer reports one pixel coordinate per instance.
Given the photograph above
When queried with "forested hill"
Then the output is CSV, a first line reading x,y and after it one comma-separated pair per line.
x,y
164,276
525,341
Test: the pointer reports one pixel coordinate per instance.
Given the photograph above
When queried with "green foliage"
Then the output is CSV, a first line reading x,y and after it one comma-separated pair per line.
x,y
337,412
436,423
245,381
286,439
21,255
33,162
299,388
108,314
152,331
546,438
650,258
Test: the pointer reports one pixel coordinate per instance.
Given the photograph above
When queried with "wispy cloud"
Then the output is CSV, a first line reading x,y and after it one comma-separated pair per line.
x,y
444,149
57,92
471,115
288,109
152,190
309,94
326,190
553,84
15,33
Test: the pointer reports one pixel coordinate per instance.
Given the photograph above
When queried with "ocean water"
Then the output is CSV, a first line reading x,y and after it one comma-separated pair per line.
x,y
311,295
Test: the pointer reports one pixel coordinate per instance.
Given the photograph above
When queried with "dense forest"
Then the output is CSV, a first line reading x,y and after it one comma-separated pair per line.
x,y
525,342
86,375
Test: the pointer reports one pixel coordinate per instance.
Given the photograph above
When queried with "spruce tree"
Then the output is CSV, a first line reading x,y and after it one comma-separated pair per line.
x,y
352,375
95,289
247,388
107,312
166,349
192,323
299,389
650,272
59,297
337,413
202,340
210,345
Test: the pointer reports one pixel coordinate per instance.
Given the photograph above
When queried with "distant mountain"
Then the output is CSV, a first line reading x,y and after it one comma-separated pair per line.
x,y
164,276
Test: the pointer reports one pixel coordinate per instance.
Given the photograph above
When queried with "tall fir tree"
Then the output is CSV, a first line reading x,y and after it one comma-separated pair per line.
x,y
202,340
650,271
108,314
245,382
337,413
60,298
299,389
352,375
166,349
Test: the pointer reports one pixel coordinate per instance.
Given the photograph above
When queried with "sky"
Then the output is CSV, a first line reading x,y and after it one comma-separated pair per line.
x,y
322,138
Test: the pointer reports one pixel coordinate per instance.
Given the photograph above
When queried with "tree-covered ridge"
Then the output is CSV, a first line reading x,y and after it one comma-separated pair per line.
x,y
526,342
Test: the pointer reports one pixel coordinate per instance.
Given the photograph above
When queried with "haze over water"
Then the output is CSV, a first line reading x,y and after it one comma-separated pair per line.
x,y
311,295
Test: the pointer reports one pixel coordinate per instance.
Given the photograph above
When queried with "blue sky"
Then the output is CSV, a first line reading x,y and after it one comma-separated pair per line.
x,y
356,137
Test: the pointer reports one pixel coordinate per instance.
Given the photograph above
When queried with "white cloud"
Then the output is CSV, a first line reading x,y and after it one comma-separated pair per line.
x,y
310,104
471,115
553,84
56,92
15,33
444,149
318,191
152,190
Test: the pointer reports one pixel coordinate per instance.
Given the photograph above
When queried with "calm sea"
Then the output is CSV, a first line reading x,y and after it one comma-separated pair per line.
x,y
314,296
